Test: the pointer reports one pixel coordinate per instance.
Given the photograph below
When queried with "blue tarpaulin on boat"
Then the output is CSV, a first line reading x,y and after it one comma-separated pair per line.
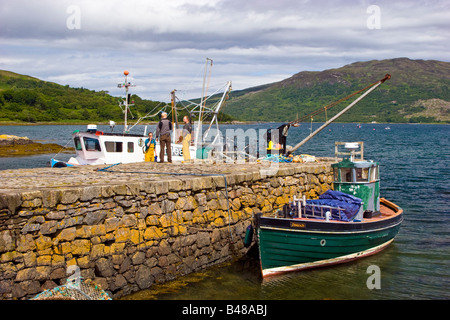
x,y
337,199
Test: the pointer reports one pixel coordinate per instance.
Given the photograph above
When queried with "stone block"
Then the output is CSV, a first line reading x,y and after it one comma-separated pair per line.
x,y
147,187
30,227
68,234
144,278
123,235
155,208
25,243
136,236
49,227
94,217
128,220
168,206
25,274
174,185
36,202
133,189
70,195
58,260
104,267
203,239
29,259
219,181
81,247
120,189
197,184
153,233
107,191
42,273
97,251
112,224
11,201
55,215
7,241
44,260
117,248
91,192
161,187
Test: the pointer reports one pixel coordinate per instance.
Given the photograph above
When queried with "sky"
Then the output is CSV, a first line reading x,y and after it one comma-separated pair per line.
x,y
164,44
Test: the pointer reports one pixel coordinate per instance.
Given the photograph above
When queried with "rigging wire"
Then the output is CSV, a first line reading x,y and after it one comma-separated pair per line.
x,y
329,106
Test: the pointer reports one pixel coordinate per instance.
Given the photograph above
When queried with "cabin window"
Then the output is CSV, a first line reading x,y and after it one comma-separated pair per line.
x,y
362,174
77,143
374,174
91,144
346,175
113,146
336,174
130,147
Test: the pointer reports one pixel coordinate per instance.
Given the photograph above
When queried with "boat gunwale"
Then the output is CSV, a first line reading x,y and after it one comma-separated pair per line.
x,y
311,225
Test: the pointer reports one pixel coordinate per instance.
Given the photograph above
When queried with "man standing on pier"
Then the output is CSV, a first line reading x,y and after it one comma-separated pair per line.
x,y
163,131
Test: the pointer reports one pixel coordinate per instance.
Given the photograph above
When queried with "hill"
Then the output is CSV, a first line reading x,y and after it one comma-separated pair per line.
x,y
27,99
417,92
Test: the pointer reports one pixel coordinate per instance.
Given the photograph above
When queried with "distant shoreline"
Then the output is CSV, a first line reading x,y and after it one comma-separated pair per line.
x,y
55,123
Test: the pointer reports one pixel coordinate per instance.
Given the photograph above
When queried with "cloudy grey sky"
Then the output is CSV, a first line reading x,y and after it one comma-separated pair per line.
x,y
164,43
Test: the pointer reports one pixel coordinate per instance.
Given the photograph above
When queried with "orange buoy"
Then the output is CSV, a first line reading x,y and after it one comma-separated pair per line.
x,y
126,72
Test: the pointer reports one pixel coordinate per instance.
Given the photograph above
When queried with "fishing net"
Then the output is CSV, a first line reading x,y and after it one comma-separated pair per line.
x,y
74,290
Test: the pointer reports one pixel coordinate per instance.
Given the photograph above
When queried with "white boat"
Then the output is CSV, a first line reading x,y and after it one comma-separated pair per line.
x,y
94,147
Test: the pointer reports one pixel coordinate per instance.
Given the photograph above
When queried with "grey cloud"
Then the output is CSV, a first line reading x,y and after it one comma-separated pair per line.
x,y
164,43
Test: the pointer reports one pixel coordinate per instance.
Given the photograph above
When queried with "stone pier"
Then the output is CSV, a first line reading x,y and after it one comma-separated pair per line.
x,y
134,225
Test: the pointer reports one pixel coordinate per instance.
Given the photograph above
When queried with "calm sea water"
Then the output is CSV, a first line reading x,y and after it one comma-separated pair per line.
x,y
415,174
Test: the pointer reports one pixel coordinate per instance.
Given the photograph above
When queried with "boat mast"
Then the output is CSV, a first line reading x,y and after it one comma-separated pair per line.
x,y
202,100
127,104
174,115
374,86
216,111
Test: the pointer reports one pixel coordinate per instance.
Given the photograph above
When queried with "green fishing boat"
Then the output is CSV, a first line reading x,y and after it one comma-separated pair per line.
x,y
344,224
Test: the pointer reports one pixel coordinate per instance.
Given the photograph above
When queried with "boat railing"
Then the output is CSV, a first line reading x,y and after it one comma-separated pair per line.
x,y
317,211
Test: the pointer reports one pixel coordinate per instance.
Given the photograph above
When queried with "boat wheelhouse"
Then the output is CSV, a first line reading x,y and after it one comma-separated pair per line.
x,y
357,177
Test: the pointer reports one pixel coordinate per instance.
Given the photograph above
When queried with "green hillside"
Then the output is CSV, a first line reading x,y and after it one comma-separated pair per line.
x,y
417,92
27,99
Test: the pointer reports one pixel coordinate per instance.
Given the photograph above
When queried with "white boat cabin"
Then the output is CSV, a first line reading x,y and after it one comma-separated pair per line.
x,y
97,147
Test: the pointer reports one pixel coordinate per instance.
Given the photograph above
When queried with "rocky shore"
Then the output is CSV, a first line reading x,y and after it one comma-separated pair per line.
x,y
11,146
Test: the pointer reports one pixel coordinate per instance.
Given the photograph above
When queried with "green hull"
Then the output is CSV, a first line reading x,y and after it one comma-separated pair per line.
x,y
286,248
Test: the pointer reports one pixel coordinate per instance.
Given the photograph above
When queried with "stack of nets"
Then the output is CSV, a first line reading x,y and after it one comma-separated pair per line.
x,y
74,290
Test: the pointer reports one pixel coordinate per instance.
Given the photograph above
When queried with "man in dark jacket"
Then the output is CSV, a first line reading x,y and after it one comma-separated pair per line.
x,y
163,131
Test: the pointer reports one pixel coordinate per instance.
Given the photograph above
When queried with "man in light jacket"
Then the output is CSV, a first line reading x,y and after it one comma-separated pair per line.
x,y
163,131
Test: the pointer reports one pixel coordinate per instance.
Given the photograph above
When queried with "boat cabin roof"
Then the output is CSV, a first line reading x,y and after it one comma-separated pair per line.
x,y
346,163
111,134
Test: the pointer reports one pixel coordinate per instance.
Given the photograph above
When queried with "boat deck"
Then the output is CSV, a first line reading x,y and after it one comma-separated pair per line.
x,y
387,210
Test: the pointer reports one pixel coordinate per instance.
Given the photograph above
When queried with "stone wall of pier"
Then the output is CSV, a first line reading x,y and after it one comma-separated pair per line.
x,y
130,235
